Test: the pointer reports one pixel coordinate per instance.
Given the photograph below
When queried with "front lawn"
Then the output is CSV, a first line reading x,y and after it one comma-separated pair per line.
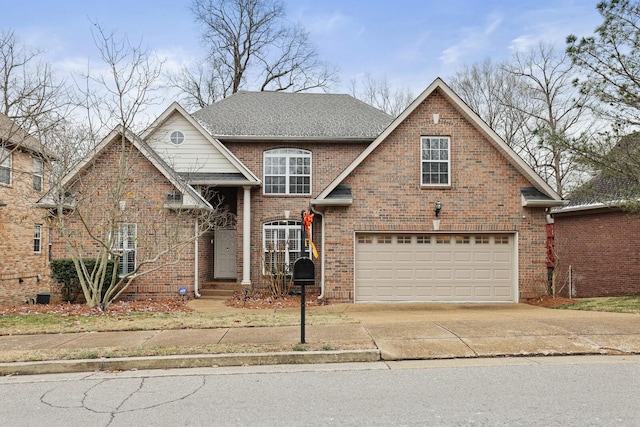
x,y
612,304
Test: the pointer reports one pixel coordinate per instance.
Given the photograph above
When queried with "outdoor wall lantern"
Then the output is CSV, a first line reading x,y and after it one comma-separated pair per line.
x,y
438,208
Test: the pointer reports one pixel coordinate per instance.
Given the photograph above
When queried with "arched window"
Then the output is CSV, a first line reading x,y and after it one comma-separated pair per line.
x,y
287,171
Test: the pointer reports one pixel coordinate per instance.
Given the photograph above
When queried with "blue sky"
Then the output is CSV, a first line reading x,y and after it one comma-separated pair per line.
x,y
410,42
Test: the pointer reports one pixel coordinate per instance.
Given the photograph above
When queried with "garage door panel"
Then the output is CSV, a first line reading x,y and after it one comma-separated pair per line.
x,y
444,274
386,256
484,256
405,256
501,274
502,291
481,274
463,291
462,257
443,256
423,256
444,291
424,290
463,274
482,291
500,257
435,267
423,274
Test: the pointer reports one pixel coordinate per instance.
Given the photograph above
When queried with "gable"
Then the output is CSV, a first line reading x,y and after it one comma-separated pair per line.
x,y
439,111
479,176
95,161
194,155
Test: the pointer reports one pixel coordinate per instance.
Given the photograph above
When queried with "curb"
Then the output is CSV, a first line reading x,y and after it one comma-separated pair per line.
x,y
188,361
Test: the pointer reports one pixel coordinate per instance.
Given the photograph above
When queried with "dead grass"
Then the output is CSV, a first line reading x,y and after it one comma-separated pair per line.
x,y
115,352
144,315
609,304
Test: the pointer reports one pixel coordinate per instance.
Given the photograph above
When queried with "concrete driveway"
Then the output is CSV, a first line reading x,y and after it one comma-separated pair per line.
x,y
431,331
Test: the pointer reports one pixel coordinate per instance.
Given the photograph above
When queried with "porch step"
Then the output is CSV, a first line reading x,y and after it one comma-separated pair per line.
x,y
219,290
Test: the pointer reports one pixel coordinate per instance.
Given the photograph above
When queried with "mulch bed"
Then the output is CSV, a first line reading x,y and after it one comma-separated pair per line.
x,y
262,300
116,308
254,300
550,301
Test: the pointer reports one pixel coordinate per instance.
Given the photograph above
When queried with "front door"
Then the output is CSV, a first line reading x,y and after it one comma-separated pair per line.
x,y
224,257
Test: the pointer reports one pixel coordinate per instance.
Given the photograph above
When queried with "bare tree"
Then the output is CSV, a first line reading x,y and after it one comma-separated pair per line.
x,y
250,44
30,95
558,112
112,208
531,103
489,91
378,93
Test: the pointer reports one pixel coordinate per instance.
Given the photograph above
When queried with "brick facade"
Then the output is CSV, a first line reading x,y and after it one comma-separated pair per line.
x,y
23,272
158,228
597,254
328,160
484,196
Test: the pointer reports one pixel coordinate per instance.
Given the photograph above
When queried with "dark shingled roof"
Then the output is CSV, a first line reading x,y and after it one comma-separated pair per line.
x,y
603,189
270,115
532,193
342,191
13,135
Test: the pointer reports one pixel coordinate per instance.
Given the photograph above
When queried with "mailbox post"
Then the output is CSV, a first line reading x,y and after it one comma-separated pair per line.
x,y
303,275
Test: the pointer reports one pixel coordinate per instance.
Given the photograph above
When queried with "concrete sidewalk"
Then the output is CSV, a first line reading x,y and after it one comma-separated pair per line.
x,y
379,331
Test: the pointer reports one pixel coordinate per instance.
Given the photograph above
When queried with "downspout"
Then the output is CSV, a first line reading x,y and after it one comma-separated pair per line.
x,y
322,242
195,263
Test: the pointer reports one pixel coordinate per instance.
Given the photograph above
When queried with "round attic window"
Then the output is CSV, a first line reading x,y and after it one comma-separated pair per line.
x,y
177,137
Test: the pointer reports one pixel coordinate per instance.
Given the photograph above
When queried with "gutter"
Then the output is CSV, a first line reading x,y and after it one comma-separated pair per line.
x,y
195,263
322,242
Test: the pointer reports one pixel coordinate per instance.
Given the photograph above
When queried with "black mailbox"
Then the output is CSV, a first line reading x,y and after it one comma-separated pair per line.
x,y
304,272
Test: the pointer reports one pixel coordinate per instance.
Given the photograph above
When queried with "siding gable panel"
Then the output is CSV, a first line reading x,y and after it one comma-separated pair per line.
x,y
195,154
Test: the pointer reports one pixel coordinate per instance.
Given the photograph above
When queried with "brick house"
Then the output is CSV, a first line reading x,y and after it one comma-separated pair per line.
x,y
24,232
430,206
597,244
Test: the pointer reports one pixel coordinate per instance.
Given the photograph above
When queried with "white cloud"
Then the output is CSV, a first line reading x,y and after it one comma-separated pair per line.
x,y
473,39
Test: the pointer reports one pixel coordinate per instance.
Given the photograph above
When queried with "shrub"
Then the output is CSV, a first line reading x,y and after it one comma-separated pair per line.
x,y
64,273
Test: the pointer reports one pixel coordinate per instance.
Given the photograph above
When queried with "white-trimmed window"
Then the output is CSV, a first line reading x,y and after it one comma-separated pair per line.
x,y
38,171
435,160
37,238
126,246
281,245
287,171
5,166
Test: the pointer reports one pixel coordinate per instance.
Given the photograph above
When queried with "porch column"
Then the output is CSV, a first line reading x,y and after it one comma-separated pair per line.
x,y
246,236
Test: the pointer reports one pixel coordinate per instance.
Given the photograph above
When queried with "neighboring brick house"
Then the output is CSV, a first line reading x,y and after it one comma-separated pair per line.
x,y
24,232
373,183
597,244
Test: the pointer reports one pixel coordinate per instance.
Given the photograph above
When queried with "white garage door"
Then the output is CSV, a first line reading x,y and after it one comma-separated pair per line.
x,y
437,267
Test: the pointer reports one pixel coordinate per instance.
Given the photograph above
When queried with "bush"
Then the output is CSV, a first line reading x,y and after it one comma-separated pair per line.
x,y
64,273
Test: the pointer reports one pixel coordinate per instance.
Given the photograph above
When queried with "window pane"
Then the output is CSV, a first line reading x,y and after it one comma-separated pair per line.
x,y
5,166
275,184
5,175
